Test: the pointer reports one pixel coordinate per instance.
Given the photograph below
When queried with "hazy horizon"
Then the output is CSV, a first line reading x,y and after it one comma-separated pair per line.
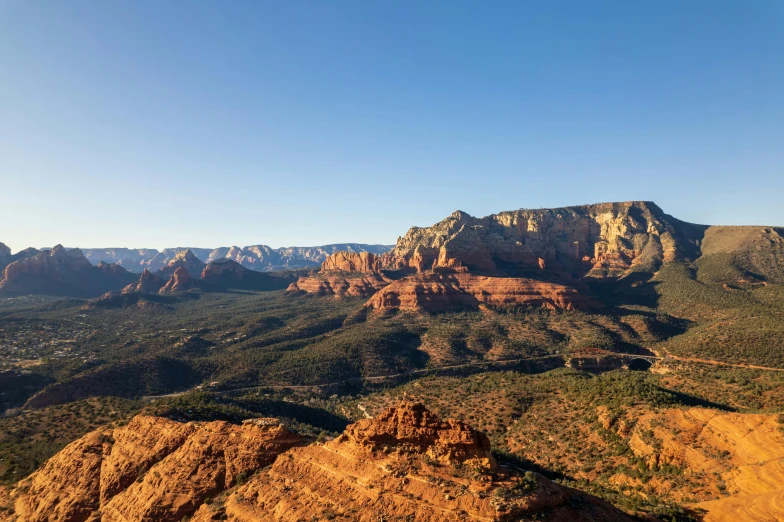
x,y
146,124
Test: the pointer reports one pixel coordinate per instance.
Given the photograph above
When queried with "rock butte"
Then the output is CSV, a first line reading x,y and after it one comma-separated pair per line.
x,y
148,283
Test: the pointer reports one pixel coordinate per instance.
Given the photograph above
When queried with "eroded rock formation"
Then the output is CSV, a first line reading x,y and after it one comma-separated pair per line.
x,y
436,290
406,464
602,240
352,262
345,274
179,281
746,451
522,257
148,283
153,469
184,259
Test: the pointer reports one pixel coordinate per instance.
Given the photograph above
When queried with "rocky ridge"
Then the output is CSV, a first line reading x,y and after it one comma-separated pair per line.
x,y
541,257
443,290
254,257
601,240
61,272
151,469
405,464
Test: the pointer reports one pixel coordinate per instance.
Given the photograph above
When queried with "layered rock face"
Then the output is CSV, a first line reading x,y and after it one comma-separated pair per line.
x,y
406,464
522,257
439,291
603,240
61,272
153,469
179,281
352,262
360,285
345,274
745,450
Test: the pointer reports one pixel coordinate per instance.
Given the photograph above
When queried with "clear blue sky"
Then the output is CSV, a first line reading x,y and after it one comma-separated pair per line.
x,y
207,123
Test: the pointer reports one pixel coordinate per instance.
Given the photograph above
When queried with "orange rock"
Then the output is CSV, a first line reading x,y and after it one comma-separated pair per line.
x,y
435,291
357,285
406,464
351,262
153,469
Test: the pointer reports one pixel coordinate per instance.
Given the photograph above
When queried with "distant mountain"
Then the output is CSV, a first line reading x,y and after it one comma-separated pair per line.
x,y
226,274
6,258
61,272
184,259
255,257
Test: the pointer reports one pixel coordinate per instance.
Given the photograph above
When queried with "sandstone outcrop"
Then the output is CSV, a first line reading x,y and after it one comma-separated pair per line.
x,y
437,290
148,283
360,284
345,274
352,262
406,464
153,469
745,450
180,281
61,272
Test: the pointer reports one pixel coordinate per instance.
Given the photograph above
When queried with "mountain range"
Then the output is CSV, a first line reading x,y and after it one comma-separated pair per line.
x,y
254,257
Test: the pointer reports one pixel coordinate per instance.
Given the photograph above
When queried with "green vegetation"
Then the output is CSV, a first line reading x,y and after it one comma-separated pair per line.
x,y
28,438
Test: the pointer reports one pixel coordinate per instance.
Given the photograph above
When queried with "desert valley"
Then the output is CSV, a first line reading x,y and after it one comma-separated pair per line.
x,y
602,362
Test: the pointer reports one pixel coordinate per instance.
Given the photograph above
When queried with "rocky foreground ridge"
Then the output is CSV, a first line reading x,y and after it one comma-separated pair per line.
x,y
405,464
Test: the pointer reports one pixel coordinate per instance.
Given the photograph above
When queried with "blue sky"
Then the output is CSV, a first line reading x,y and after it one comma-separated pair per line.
x,y
206,123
